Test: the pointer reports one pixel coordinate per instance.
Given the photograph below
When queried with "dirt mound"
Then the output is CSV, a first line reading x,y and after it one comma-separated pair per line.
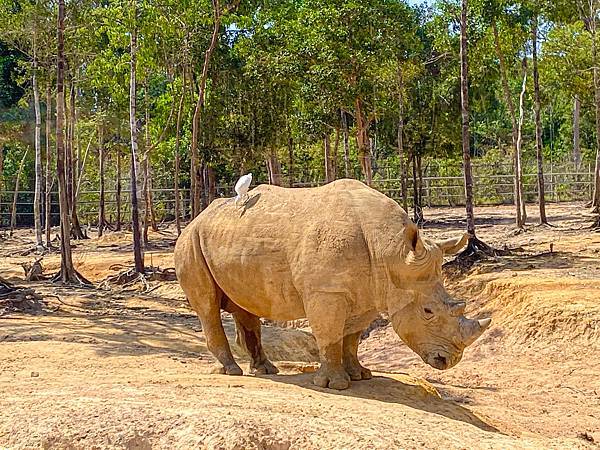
x,y
538,310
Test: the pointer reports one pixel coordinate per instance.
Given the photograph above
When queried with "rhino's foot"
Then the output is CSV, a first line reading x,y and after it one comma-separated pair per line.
x,y
230,369
331,378
358,372
264,368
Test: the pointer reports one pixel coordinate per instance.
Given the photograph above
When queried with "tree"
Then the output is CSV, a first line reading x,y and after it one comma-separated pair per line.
x,y
474,244
135,218
67,270
538,122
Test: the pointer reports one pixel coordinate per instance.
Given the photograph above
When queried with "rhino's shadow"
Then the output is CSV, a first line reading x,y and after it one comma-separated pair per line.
x,y
390,390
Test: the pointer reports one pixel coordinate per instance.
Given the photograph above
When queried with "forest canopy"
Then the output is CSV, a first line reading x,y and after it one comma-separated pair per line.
x,y
296,92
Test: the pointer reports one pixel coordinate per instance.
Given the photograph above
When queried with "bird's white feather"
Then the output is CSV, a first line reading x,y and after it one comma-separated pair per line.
x,y
242,186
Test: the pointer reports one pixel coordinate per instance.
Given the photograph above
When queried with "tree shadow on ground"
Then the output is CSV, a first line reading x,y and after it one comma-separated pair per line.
x,y
389,390
113,333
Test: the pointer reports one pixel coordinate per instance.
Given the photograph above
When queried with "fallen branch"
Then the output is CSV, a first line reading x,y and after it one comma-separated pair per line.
x,y
130,278
20,299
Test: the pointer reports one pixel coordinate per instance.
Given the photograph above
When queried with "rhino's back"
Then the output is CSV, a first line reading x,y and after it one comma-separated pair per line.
x,y
282,242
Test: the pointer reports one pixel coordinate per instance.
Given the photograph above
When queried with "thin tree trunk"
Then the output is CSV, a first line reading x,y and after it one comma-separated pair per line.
x,y
596,197
334,154
274,169
505,88
37,197
327,154
13,214
466,140
576,133
72,167
211,184
69,153
291,162
401,155
67,271
118,189
420,179
101,210
49,177
346,144
362,139
195,163
417,206
538,125
177,157
1,171
135,219
519,200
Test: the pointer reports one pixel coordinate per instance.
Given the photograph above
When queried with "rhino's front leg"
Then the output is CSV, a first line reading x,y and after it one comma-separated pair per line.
x,y
350,358
326,313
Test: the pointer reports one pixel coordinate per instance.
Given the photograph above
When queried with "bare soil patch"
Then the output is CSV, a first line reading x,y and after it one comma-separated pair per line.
x,y
119,368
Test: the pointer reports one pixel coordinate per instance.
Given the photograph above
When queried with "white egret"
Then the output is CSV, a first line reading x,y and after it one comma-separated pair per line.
x,y
241,187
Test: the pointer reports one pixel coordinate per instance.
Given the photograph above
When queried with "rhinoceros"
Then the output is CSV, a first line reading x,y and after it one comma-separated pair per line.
x,y
338,255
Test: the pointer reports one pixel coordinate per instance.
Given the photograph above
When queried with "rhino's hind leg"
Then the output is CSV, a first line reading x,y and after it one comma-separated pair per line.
x,y
208,307
248,336
351,363
325,312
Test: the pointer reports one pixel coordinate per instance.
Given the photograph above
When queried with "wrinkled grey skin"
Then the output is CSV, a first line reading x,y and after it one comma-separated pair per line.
x,y
338,255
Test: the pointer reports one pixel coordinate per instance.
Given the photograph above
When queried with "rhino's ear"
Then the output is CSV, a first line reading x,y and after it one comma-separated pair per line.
x,y
454,245
413,238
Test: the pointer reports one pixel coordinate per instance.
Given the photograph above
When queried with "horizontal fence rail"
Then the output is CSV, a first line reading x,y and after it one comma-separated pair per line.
x,y
440,186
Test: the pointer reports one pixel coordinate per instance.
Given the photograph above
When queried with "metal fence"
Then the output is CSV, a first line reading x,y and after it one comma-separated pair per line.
x,y
442,185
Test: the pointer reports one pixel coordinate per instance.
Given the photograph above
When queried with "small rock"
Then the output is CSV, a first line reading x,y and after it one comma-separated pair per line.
x,y
35,374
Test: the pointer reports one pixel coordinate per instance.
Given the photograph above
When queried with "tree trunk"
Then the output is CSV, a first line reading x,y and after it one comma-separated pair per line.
x,y
49,177
177,156
195,163
346,144
519,200
538,126
274,169
417,206
362,139
37,197
135,219
290,162
596,197
520,207
466,139
145,200
13,214
334,154
576,133
401,156
67,271
72,165
211,184
1,171
69,151
327,153
101,211
118,189
505,88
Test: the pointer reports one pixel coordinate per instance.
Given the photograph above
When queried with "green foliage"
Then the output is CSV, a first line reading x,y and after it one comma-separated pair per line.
x,y
284,70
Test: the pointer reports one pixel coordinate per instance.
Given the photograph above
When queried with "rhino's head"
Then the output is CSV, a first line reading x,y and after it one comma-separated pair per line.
x,y
424,315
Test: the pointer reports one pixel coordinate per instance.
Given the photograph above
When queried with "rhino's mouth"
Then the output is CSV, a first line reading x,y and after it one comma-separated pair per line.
x,y
440,360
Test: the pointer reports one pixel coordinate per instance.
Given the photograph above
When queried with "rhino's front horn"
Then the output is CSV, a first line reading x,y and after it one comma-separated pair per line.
x,y
472,329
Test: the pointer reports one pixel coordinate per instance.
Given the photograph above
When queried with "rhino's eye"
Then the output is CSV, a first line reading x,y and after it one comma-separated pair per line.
x,y
428,313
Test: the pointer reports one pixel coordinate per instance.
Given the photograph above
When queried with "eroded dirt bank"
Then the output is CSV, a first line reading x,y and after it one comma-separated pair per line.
x,y
126,370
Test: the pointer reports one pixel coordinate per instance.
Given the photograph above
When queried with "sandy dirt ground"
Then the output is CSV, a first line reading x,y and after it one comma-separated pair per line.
x,y
120,368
